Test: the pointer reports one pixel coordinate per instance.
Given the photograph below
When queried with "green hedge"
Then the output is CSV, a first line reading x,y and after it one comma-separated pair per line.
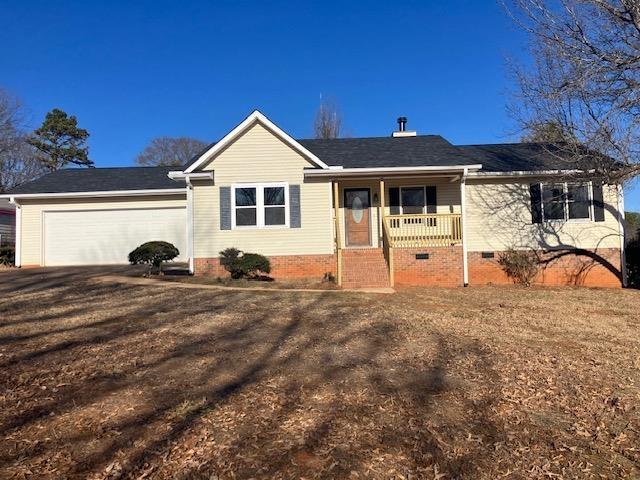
x,y
244,265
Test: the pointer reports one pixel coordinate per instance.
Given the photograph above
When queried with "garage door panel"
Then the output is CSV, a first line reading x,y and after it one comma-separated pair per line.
x,y
102,237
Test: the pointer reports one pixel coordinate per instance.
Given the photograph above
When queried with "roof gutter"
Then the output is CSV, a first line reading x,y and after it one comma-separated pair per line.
x,y
105,193
179,175
354,172
525,173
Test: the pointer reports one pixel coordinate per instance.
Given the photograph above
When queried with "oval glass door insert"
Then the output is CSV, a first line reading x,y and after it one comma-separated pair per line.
x,y
357,211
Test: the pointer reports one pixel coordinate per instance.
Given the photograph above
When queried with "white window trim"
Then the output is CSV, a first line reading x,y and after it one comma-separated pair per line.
x,y
260,206
565,190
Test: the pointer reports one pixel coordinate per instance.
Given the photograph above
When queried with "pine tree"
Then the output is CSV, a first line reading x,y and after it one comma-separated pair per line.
x,y
61,141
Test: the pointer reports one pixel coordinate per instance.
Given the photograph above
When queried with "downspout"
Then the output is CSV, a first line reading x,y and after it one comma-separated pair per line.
x,y
190,224
623,257
463,219
18,237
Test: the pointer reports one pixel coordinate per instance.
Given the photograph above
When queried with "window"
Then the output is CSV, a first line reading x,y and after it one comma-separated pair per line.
x,y
246,207
553,201
412,200
260,205
566,201
578,201
274,206
416,200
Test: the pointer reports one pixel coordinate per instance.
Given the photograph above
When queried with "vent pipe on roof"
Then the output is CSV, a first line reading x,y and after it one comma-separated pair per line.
x,y
402,129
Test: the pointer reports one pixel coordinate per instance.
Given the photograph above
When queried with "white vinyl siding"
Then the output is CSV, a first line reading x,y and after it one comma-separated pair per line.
x,y
499,217
256,157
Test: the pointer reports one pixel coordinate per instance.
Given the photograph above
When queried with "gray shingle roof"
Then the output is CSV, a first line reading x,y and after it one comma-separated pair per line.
x,y
101,179
421,150
515,157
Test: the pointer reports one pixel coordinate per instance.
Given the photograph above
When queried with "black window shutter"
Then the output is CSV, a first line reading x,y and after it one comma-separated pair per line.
x,y
536,202
598,202
294,206
225,208
394,201
432,200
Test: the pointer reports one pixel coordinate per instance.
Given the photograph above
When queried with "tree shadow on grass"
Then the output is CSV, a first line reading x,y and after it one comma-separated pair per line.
x,y
132,381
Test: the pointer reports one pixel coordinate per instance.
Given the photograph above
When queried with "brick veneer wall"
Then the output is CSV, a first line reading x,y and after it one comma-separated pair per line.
x,y
443,268
596,268
282,267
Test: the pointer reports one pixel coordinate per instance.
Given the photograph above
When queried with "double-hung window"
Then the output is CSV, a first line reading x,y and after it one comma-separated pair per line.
x,y
260,205
566,201
413,200
417,201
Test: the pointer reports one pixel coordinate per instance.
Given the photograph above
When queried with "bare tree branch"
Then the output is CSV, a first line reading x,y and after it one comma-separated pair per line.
x,y
18,160
170,151
585,80
328,122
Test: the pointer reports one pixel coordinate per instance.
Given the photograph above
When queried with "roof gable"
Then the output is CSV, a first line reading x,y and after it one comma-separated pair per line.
x,y
239,130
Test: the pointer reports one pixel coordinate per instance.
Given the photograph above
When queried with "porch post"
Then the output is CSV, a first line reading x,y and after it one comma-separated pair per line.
x,y
382,232
382,205
463,219
336,214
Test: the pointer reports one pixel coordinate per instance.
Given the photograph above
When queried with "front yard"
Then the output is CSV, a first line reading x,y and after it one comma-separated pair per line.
x,y
115,381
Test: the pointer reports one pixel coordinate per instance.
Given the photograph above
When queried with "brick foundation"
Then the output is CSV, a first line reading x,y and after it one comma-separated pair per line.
x,y
367,267
312,267
595,268
443,268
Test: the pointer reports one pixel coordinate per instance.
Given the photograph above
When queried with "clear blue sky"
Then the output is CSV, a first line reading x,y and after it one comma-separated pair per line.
x,y
132,71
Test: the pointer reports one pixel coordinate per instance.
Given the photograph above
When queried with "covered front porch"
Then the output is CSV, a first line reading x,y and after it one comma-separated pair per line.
x,y
400,218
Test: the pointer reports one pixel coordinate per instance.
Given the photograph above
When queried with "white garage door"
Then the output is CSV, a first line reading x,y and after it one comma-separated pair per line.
x,y
103,237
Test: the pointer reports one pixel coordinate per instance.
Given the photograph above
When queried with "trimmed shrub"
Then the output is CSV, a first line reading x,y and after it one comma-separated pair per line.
x,y
7,256
244,265
153,254
520,265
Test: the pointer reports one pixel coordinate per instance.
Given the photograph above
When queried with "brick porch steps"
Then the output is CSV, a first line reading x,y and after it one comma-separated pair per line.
x,y
364,268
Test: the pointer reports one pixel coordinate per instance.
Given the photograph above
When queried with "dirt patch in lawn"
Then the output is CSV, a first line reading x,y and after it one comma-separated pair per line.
x,y
122,381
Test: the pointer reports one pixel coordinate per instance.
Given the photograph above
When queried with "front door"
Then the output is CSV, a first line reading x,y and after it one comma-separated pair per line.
x,y
357,217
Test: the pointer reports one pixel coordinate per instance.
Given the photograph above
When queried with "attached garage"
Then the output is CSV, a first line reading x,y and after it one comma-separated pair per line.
x,y
103,237
96,216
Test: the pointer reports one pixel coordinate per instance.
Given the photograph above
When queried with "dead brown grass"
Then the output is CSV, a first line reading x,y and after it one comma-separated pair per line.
x,y
121,381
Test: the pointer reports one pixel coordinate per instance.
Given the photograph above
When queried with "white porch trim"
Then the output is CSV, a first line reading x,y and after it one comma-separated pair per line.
x,y
377,171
